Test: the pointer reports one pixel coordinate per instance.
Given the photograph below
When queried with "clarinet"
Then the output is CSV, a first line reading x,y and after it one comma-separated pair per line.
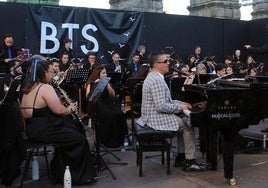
x,y
67,101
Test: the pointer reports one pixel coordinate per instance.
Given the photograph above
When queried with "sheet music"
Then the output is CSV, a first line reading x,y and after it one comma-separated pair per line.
x,y
97,91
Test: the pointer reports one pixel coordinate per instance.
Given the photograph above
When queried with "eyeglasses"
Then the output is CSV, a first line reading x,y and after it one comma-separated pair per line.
x,y
166,61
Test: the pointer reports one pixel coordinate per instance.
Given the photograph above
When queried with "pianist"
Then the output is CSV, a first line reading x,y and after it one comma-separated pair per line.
x,y
158,111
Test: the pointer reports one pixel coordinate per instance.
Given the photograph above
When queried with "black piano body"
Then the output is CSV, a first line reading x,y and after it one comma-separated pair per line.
x,y
229,107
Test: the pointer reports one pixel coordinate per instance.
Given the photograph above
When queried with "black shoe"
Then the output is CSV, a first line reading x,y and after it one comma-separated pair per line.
x,y
264,130
180,160
194,166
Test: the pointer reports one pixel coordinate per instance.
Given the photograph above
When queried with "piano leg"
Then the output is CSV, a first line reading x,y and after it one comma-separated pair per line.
x,y
212,148
228,154
203,139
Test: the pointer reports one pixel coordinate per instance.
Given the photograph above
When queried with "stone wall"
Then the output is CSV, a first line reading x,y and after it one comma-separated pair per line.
x,y
260,9
45,2
215,8
138,5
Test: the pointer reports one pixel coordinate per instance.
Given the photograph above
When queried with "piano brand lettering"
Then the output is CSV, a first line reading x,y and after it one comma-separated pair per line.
x,y
49,35
226,107
225,116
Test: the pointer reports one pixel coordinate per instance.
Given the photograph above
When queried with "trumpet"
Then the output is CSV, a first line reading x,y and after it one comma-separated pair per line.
x,y
67,101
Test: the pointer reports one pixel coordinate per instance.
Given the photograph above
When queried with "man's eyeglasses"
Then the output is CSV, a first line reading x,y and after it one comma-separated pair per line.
x,y
166,61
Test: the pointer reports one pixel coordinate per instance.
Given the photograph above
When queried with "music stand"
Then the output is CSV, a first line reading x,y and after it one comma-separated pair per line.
x,y
132,88
94,97
79,76
75,80
115,80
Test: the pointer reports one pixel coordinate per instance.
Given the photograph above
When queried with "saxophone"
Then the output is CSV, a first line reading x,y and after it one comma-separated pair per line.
x,y
67,101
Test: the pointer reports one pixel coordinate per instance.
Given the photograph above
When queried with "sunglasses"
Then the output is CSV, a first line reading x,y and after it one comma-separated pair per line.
x,y
166,61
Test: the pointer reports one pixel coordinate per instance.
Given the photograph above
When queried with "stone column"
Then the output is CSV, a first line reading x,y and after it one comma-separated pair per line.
x,y
215,8
138,5
260,9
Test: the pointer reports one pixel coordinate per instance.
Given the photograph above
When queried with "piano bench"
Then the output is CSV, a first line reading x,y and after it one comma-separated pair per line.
x,y
254,132
148,140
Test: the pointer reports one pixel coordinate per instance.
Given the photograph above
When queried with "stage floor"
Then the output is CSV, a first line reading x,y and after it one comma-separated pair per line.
x,y
250,170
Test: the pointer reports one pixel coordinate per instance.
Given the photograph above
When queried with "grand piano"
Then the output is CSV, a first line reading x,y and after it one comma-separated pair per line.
x,y
229,106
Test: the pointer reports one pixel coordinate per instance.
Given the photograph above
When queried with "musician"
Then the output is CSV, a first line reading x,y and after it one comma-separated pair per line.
x,y
249,63
261,50
141,50
8,51
253,72
48,120
201,69
90,62
64,63
55,65
229,69
228,60
5,82
115,65
134,66
237,56
66,49
158,112
191,61
197,54
112,121
210,65
220,70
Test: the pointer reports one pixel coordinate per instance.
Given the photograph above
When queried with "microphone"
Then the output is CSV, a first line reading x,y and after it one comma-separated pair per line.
x,y
178,71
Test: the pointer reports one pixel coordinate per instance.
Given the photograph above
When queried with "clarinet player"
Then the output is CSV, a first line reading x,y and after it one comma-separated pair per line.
x,y
47,120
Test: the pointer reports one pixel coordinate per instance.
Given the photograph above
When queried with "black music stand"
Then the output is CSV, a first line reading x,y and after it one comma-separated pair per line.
x,y
94,97
79,76
133,88
75,80
115,80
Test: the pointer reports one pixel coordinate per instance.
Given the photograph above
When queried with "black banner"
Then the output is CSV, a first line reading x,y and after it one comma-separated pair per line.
x,y
102,31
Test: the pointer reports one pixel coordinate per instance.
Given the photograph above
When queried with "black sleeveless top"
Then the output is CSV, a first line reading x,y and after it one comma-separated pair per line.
x,y
38,112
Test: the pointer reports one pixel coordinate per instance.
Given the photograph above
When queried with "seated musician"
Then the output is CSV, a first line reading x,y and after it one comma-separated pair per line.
x,y
253,72
55,65
90,61
114,66
229,69
8,52
210,65
5,82
48,120
112,121
65,64
159,112
220,70
134,66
